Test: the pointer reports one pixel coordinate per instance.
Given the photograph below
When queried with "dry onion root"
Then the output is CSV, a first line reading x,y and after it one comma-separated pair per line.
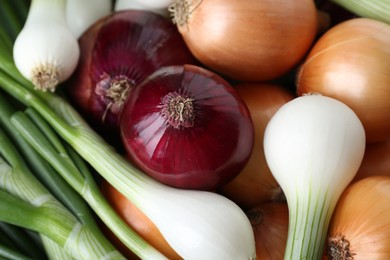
x,y
360,225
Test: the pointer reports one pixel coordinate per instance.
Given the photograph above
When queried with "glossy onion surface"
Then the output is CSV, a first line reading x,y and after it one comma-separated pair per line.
x,y
118,52
187,127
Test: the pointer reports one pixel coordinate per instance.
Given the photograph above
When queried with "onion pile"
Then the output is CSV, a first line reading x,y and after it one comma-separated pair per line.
x,y
139,83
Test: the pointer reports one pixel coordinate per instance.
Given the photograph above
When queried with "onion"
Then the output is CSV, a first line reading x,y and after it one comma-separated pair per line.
x,y
314,146
351,63
136,220
255,183
248,40
360,226
188,128
118,52
376,161
270,224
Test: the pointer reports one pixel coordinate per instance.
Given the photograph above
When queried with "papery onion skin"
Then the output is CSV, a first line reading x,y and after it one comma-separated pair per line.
x,y
351,63
270,225
247,40
362,220
255,184
124,47
138,221
204,151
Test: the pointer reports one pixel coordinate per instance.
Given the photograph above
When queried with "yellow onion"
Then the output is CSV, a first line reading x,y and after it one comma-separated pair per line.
x,y
248,40
255,184
351,63
360,226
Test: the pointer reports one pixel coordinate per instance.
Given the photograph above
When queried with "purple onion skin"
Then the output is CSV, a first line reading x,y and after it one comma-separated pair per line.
x,y
127,45
202,152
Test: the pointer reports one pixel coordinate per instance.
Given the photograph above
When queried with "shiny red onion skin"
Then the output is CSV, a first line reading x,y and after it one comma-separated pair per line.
x,y
133,43
203,157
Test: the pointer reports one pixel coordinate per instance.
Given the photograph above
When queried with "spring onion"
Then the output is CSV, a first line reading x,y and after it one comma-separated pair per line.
x,y
314,146
80,15
45,51
379,9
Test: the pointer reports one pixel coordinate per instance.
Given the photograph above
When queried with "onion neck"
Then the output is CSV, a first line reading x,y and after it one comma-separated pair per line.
x,y
53,10
339,248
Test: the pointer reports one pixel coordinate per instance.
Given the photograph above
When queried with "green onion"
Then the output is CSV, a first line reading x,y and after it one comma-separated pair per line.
x,y
45,51
375,9
313,162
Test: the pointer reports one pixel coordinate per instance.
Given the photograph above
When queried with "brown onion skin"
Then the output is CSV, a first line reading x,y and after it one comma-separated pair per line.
x,y
362,218
270,226
351,63
248,40
376,161
136,220
202,152
255,184
130,43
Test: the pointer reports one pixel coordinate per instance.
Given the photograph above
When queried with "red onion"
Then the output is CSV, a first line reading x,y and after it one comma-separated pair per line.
x,y
118,52
185,126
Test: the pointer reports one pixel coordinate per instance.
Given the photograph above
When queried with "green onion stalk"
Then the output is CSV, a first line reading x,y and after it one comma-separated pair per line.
x,y
27,203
